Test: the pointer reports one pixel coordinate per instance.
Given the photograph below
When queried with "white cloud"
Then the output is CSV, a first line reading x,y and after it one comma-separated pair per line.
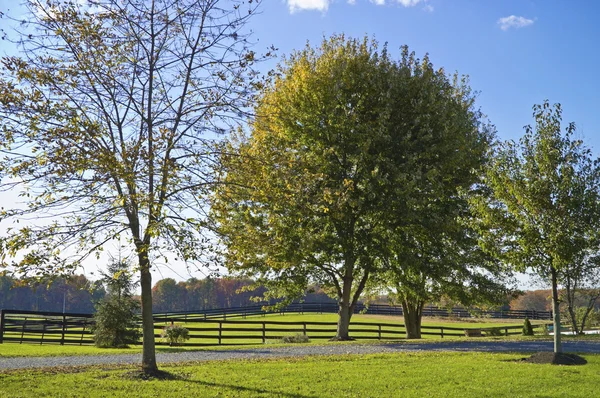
x,y
514,22
410,3
404,3
298,5
323,5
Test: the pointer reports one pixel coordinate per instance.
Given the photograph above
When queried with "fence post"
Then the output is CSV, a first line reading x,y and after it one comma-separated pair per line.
x,y
506,331
442,329
379,332
23,330
43,332
64,326
220,331
304,328
264,333
2,314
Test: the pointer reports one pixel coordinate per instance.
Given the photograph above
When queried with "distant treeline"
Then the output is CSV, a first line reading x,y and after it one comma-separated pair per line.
x,y
79,294
541,300
210,293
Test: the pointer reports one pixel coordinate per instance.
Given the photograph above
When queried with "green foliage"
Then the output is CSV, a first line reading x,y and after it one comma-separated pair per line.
x,y
117,322
116,318
298,338
350,151
527,328
585,318
175,334
493,332
548,176
539,209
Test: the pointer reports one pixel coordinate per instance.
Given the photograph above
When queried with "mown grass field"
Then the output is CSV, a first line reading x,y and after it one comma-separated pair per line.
x,y
13,349
433,374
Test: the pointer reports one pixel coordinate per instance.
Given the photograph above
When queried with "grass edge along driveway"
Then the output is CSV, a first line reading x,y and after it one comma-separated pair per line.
x,y
405,374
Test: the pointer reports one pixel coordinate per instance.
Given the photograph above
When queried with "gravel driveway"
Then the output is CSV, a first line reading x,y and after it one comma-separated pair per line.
x,y
591,347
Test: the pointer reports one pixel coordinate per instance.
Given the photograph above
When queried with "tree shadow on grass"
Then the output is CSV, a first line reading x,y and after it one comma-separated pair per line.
x,y
251,389
170,376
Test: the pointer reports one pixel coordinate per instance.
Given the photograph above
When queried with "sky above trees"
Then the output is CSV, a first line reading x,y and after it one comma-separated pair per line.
x,y
517,53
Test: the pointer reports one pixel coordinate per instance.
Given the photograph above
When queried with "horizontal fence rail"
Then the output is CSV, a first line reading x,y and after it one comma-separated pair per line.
x,y
228,327
373,309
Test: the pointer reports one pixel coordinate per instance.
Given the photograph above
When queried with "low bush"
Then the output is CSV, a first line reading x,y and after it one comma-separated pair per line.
x,y
175,334
527,328
493,332
296,338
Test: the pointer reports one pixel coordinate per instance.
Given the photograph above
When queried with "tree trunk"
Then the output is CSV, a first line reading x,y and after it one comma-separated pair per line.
x,y
345,312
412,313
555,312
571,303
573,317
148,351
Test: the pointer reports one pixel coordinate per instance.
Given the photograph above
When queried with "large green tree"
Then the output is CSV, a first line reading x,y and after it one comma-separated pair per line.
x,y
107,118
541,209
345,145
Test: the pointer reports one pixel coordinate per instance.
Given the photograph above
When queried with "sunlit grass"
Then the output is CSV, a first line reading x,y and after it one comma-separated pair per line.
x,y
432,374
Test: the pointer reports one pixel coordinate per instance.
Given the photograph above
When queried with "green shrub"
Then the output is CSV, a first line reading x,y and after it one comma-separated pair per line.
x,y
493,332
175,334
296,338
527,328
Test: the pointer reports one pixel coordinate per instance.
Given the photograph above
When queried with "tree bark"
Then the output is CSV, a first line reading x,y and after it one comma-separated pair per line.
x,y
148,347
555,311
412,313
344,312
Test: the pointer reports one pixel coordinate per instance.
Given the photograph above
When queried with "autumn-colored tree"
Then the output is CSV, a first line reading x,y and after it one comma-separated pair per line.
x,y
107,118
532,300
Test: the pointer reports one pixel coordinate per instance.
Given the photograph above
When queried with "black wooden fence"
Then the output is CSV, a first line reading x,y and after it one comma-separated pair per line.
x,y
373,309
220,327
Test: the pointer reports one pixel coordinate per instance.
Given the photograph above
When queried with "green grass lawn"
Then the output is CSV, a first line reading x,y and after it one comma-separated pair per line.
x,y
431,374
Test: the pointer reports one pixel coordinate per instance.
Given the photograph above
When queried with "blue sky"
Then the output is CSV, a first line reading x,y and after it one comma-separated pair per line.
x,y
516,52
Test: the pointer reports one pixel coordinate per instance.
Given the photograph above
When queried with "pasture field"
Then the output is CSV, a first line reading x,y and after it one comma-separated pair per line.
x,y
416,374
228,335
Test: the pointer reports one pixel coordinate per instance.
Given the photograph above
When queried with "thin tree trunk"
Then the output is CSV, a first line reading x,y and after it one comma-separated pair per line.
x,y
148,350
555,311
571,303
573,317
412,312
